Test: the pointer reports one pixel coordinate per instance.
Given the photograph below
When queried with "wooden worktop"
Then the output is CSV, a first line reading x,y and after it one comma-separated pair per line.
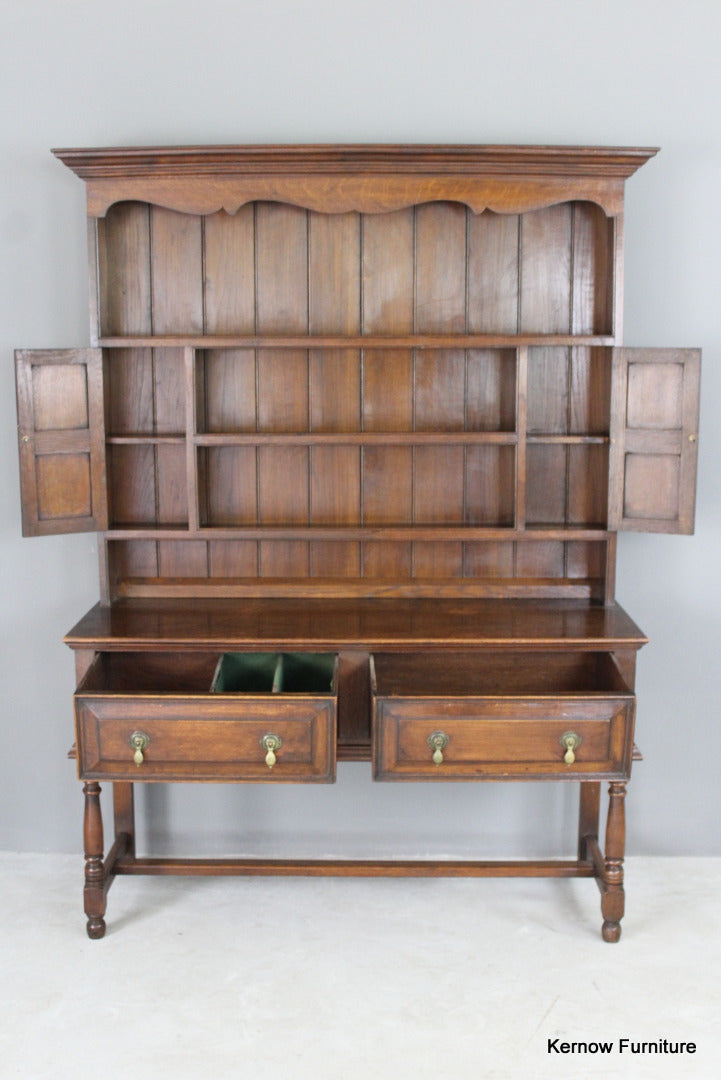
x,y
353,623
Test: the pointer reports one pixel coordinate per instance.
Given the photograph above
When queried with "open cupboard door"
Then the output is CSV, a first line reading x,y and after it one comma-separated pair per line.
x,y
654,440
61,432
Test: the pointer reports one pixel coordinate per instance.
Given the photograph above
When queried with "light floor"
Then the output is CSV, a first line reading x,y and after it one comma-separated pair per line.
x,y
330,978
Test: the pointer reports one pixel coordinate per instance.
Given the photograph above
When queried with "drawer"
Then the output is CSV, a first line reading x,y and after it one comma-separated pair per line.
x,y
500,716
202,717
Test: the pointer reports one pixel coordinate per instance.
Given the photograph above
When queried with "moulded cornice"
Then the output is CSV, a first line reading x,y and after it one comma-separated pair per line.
x,y
366,178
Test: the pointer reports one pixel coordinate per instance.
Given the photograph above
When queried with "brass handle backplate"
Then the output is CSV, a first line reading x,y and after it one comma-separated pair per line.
x,y
570,742
270,744
438,741
139,742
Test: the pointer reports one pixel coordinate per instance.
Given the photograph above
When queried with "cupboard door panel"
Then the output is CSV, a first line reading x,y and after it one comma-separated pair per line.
x,y
61,432
654,439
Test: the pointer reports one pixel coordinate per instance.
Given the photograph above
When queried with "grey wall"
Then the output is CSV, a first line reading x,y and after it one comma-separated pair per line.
x,y
94,72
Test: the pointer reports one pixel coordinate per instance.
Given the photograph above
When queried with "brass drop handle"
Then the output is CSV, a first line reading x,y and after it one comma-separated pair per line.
x,y
438,741
270,744
139,742
570,742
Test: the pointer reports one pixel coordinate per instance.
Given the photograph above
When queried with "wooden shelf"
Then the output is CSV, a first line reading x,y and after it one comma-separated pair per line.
x,y
359,533
568,440
348,341
145,440
358,438
375,623
354,438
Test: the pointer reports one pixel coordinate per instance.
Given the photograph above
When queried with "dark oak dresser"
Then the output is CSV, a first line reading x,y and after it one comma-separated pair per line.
x,y
357,433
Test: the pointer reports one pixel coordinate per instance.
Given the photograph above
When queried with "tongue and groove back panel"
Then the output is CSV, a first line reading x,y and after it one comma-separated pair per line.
x,y
506,440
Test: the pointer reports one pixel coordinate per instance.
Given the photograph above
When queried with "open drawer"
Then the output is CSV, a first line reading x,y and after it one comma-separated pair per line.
x,y
198,716
502,715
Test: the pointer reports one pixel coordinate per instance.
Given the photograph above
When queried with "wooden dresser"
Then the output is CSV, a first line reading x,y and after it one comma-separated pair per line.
x,y
357,433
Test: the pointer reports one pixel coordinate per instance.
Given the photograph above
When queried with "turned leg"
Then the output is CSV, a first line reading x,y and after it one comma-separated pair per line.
x,y
94,893
588,811
612,898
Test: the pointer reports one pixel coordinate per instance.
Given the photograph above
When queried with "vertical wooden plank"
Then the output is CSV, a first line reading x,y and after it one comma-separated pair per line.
x,y
609,570
183,558
172,498
229,272
521,434
124,288
93,280
334,273
228,387
331,559
124,269
388,309
335,485
590,391
134,559
229,300
233,558
493,241
283,485
177,272
585,559
131,471
107,581
177,296
618,272
281,246
592,270
354,699
489,559
230,482
387,391
170,390
438,488
387,500
387,560
440,308
440,390
130,391
440,268
334,308
335,389
387,485
546,271
437,561
489,480
282,308
228,391
284,559
587,485
191,427
491,404
388,272
171,464
548,391
546,484
540,559
440,378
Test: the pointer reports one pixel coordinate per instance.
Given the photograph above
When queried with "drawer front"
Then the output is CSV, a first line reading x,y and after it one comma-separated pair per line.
x,y
205,737
506,738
